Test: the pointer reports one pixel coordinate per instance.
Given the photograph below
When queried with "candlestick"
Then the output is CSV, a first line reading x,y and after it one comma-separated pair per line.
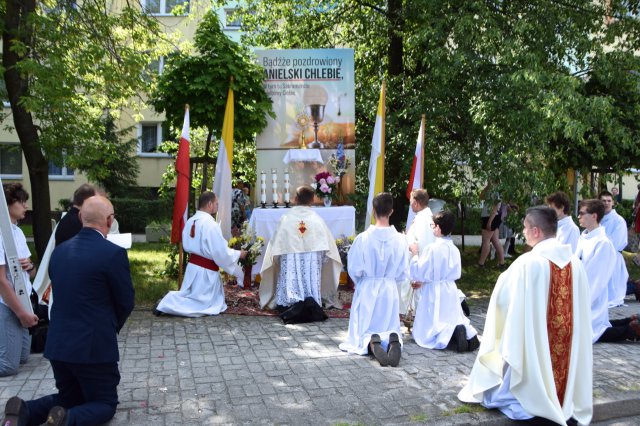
x,y
274,187
286,188
263,189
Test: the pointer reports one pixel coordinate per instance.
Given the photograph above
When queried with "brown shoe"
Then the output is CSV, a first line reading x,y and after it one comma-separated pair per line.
x,y
57,417
15,412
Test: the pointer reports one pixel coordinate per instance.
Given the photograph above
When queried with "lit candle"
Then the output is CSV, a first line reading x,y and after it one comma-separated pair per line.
x,y
274,186
263,187
286,186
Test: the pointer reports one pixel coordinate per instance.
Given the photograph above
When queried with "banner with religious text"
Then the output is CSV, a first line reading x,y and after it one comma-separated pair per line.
x,y
314,104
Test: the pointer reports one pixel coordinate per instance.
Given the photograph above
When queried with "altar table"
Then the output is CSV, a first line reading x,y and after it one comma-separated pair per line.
x,y
340,220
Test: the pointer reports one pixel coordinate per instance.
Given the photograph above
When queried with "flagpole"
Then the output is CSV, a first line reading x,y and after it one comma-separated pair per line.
x,y
422,128
180,257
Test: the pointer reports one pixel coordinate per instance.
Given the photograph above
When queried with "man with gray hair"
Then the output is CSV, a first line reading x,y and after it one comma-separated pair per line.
x,y
535,359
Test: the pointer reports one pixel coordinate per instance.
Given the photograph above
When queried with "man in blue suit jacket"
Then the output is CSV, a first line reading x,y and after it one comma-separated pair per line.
x,y
93,299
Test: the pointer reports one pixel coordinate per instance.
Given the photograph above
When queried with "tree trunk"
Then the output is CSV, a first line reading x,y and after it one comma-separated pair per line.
x,y
396,28
16,29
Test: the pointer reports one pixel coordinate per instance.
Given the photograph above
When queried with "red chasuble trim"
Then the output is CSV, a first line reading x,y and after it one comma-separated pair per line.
x,y
560,325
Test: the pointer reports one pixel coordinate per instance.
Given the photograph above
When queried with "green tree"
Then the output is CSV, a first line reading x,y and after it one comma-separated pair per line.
x,y
64,64
202,80
514,91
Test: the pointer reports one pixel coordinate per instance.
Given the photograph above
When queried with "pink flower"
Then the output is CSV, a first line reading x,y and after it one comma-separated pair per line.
x,y
337,179
324,188
331,180
323,181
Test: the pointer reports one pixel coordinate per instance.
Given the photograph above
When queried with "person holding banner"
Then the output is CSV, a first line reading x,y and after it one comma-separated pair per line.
x,y
202,292
15,341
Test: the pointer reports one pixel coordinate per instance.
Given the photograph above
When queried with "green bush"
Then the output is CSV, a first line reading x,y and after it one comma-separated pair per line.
x,y
625,209
134,214
471,222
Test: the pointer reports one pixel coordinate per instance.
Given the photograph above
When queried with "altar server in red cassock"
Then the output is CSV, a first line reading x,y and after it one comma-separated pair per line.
x,y
202,290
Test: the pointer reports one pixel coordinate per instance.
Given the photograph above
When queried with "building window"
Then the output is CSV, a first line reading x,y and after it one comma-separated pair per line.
x,y
60,172
164,7
10,160
4,96
232,19
150,136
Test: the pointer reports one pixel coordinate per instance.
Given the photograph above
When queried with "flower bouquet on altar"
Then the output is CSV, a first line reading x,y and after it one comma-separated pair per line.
x,y
247,240
325,186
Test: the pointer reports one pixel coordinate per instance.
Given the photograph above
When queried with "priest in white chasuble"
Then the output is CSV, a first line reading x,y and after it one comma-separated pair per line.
x,y
202,290
535,358
301,265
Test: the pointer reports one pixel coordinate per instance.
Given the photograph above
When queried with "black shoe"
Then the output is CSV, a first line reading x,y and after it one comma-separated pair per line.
x,y
460,338
15,412
501,266
465,308
57,417
375,348
473,344
394,351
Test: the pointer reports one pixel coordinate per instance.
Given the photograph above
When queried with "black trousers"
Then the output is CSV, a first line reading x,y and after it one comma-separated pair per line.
x,y
88,392
619,331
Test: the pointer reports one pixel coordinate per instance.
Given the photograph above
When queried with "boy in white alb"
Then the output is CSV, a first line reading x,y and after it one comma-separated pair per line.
x,y
440,321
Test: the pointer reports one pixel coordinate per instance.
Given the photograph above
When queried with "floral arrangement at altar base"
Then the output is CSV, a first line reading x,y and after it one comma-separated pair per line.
x,y
325,185
247,240
344,244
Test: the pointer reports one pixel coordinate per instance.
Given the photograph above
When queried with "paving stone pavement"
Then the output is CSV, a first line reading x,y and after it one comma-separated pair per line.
x,y
255,370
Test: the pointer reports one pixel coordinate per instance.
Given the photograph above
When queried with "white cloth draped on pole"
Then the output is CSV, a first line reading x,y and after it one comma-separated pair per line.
x,y
376,161
222,181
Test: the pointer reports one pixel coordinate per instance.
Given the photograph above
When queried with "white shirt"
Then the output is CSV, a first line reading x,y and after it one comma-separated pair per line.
x,y
23,252
568,232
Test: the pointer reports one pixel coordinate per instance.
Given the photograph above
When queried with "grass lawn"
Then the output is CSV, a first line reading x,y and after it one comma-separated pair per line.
x,y
147,262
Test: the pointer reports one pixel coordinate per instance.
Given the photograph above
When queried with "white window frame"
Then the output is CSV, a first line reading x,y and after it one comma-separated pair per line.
x,y
163,9
229,11
158,125
13,176
64,175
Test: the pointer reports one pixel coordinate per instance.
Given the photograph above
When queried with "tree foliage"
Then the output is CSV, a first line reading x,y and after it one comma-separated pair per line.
x,y
516,92
202,80
65,65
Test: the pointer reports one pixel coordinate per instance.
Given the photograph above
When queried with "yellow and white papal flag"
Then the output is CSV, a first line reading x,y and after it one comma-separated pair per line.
x,y
222,186
376,161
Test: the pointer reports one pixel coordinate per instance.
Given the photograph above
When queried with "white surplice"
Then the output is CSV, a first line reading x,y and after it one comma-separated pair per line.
x,y
202,291
305,247
420,232
514,358
378,259
439,310
616,228
568,232
598,257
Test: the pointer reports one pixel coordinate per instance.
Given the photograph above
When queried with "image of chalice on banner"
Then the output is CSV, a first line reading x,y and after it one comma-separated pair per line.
x,y
315,99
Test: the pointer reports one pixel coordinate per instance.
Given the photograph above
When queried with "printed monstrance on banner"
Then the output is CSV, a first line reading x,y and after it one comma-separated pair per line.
x,y
314,104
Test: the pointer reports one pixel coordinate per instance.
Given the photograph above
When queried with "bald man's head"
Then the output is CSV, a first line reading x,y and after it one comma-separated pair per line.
x,y
97,212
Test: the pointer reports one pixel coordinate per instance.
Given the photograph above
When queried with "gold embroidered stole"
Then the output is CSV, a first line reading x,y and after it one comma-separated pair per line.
x,y
560,325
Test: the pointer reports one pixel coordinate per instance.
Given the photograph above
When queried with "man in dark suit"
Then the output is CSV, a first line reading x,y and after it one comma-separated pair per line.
x,y
70,223
93,298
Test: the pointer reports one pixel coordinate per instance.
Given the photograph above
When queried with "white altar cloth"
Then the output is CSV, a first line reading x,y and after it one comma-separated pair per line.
x,y
302,155
340,220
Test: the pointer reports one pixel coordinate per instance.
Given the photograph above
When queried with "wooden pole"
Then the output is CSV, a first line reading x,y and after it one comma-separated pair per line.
x,y
180,254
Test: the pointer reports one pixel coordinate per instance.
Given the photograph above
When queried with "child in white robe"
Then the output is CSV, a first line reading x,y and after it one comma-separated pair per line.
x,y
440,321
378,259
